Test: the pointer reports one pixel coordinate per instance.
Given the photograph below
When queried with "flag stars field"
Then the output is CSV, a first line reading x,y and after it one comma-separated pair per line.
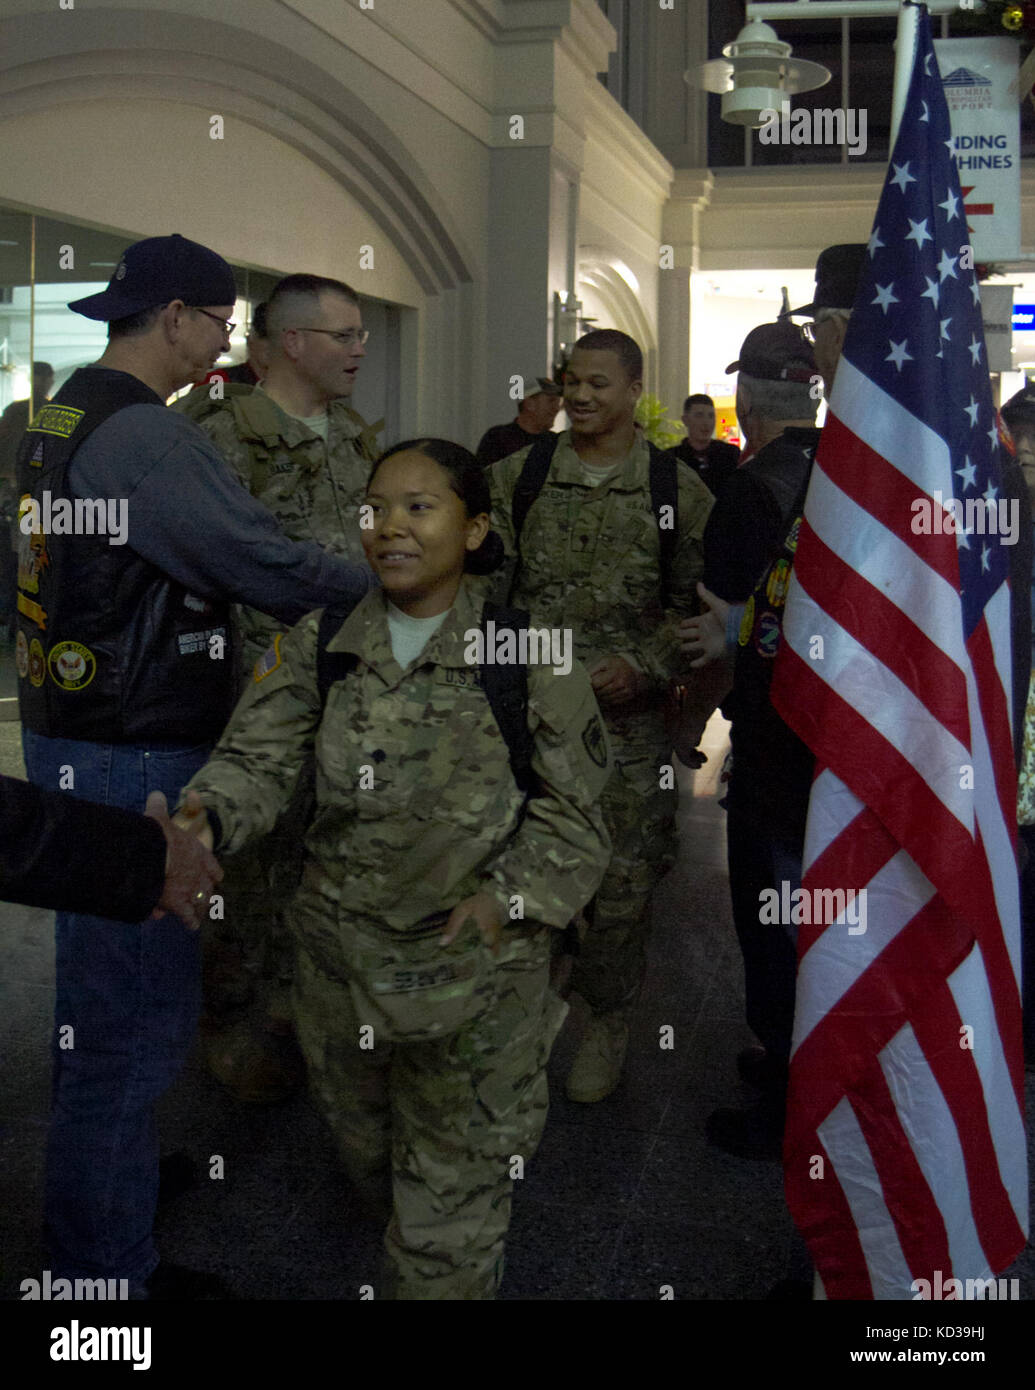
x,y
919,234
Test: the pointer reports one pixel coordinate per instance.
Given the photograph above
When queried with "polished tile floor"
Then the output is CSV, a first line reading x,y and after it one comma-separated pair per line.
x,y
623,1198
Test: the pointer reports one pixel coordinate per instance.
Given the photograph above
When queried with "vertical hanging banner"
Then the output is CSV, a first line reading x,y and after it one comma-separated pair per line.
x,y
986,125
996,319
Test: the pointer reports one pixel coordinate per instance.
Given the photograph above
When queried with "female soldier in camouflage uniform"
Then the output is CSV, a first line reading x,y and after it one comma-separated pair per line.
x,y
422,997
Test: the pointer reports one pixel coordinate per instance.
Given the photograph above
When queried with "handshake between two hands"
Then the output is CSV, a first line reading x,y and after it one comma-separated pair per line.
x,y
704,637
191,870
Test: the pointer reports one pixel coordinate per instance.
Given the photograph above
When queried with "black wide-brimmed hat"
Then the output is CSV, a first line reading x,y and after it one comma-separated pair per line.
x,y
837,277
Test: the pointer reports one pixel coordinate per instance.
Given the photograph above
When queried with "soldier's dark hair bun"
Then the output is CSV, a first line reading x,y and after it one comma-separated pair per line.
x,y
488,557
467,479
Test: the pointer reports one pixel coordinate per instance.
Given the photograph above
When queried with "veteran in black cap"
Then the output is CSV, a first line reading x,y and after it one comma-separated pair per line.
x,y
837,279
126,679
777,399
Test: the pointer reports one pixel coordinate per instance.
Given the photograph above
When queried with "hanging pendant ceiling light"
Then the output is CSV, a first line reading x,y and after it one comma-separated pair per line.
x,y
755,74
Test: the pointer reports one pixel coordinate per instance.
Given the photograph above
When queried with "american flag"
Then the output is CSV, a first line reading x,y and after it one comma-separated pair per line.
x,y
905,1147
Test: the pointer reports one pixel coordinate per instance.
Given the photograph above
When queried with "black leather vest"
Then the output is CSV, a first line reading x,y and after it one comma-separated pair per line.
x,y
108,648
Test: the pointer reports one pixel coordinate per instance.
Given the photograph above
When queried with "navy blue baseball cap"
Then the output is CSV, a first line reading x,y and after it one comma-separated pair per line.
x,y
157,271
776,352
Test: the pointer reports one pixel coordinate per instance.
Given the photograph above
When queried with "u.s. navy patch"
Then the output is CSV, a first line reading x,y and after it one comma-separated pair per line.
x,y
593,741
72,666
56,419
269,661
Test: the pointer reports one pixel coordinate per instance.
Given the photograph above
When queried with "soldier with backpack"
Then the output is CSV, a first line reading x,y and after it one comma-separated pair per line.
x,y
604,534
456,822
299,448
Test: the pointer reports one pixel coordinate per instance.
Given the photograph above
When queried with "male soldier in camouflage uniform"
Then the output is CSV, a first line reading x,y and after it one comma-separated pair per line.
x,y
589,560
448,1084
298,447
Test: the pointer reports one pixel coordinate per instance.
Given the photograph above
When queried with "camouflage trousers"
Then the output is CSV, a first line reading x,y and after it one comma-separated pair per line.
x,y
641,819
253,942
452,1121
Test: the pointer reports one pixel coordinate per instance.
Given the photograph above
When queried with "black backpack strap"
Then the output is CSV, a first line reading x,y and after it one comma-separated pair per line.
x,y
664,492
530,481
331,666
506,688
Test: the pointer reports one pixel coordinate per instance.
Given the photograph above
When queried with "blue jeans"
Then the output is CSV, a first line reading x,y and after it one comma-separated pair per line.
x,y
130,995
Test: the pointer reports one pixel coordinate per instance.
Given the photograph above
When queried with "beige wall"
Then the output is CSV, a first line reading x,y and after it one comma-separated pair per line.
x,y
220,189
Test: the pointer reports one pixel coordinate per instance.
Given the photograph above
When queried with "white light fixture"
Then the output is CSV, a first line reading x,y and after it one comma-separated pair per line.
x,y
756,74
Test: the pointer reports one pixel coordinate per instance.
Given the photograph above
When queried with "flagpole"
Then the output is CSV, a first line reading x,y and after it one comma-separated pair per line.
x,y
905,51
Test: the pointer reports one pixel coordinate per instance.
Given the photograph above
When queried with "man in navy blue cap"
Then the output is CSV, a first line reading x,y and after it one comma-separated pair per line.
x,y
135,540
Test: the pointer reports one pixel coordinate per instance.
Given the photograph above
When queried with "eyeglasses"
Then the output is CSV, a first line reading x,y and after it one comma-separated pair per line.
x,y
227,325
822,316
344,338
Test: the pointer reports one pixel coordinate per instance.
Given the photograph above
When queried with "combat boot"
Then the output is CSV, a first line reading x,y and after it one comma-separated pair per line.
x,y
258,1063
597,1068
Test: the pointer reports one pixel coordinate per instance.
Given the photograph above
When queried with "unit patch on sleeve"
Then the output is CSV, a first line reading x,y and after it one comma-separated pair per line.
x,y
269,661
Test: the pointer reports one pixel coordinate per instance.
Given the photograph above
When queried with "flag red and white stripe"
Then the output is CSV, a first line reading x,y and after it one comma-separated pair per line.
x,y
905,1155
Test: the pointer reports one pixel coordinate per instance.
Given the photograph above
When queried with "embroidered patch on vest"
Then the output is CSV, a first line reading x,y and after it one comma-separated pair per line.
x,y
72,666
37,663
56,419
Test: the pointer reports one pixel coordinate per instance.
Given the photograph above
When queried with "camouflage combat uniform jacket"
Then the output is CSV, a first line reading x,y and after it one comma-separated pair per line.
x,y
312,488
417,807
590,560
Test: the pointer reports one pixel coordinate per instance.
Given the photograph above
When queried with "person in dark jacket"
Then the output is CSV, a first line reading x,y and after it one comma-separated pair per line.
x,y
712,459
58,851
539,408
772,770
126,679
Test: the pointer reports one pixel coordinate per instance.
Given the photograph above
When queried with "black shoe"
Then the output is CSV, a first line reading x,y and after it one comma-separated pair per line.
x,y
797,1290
753,1133
174,1284
177,1174
757,1067
752,1064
